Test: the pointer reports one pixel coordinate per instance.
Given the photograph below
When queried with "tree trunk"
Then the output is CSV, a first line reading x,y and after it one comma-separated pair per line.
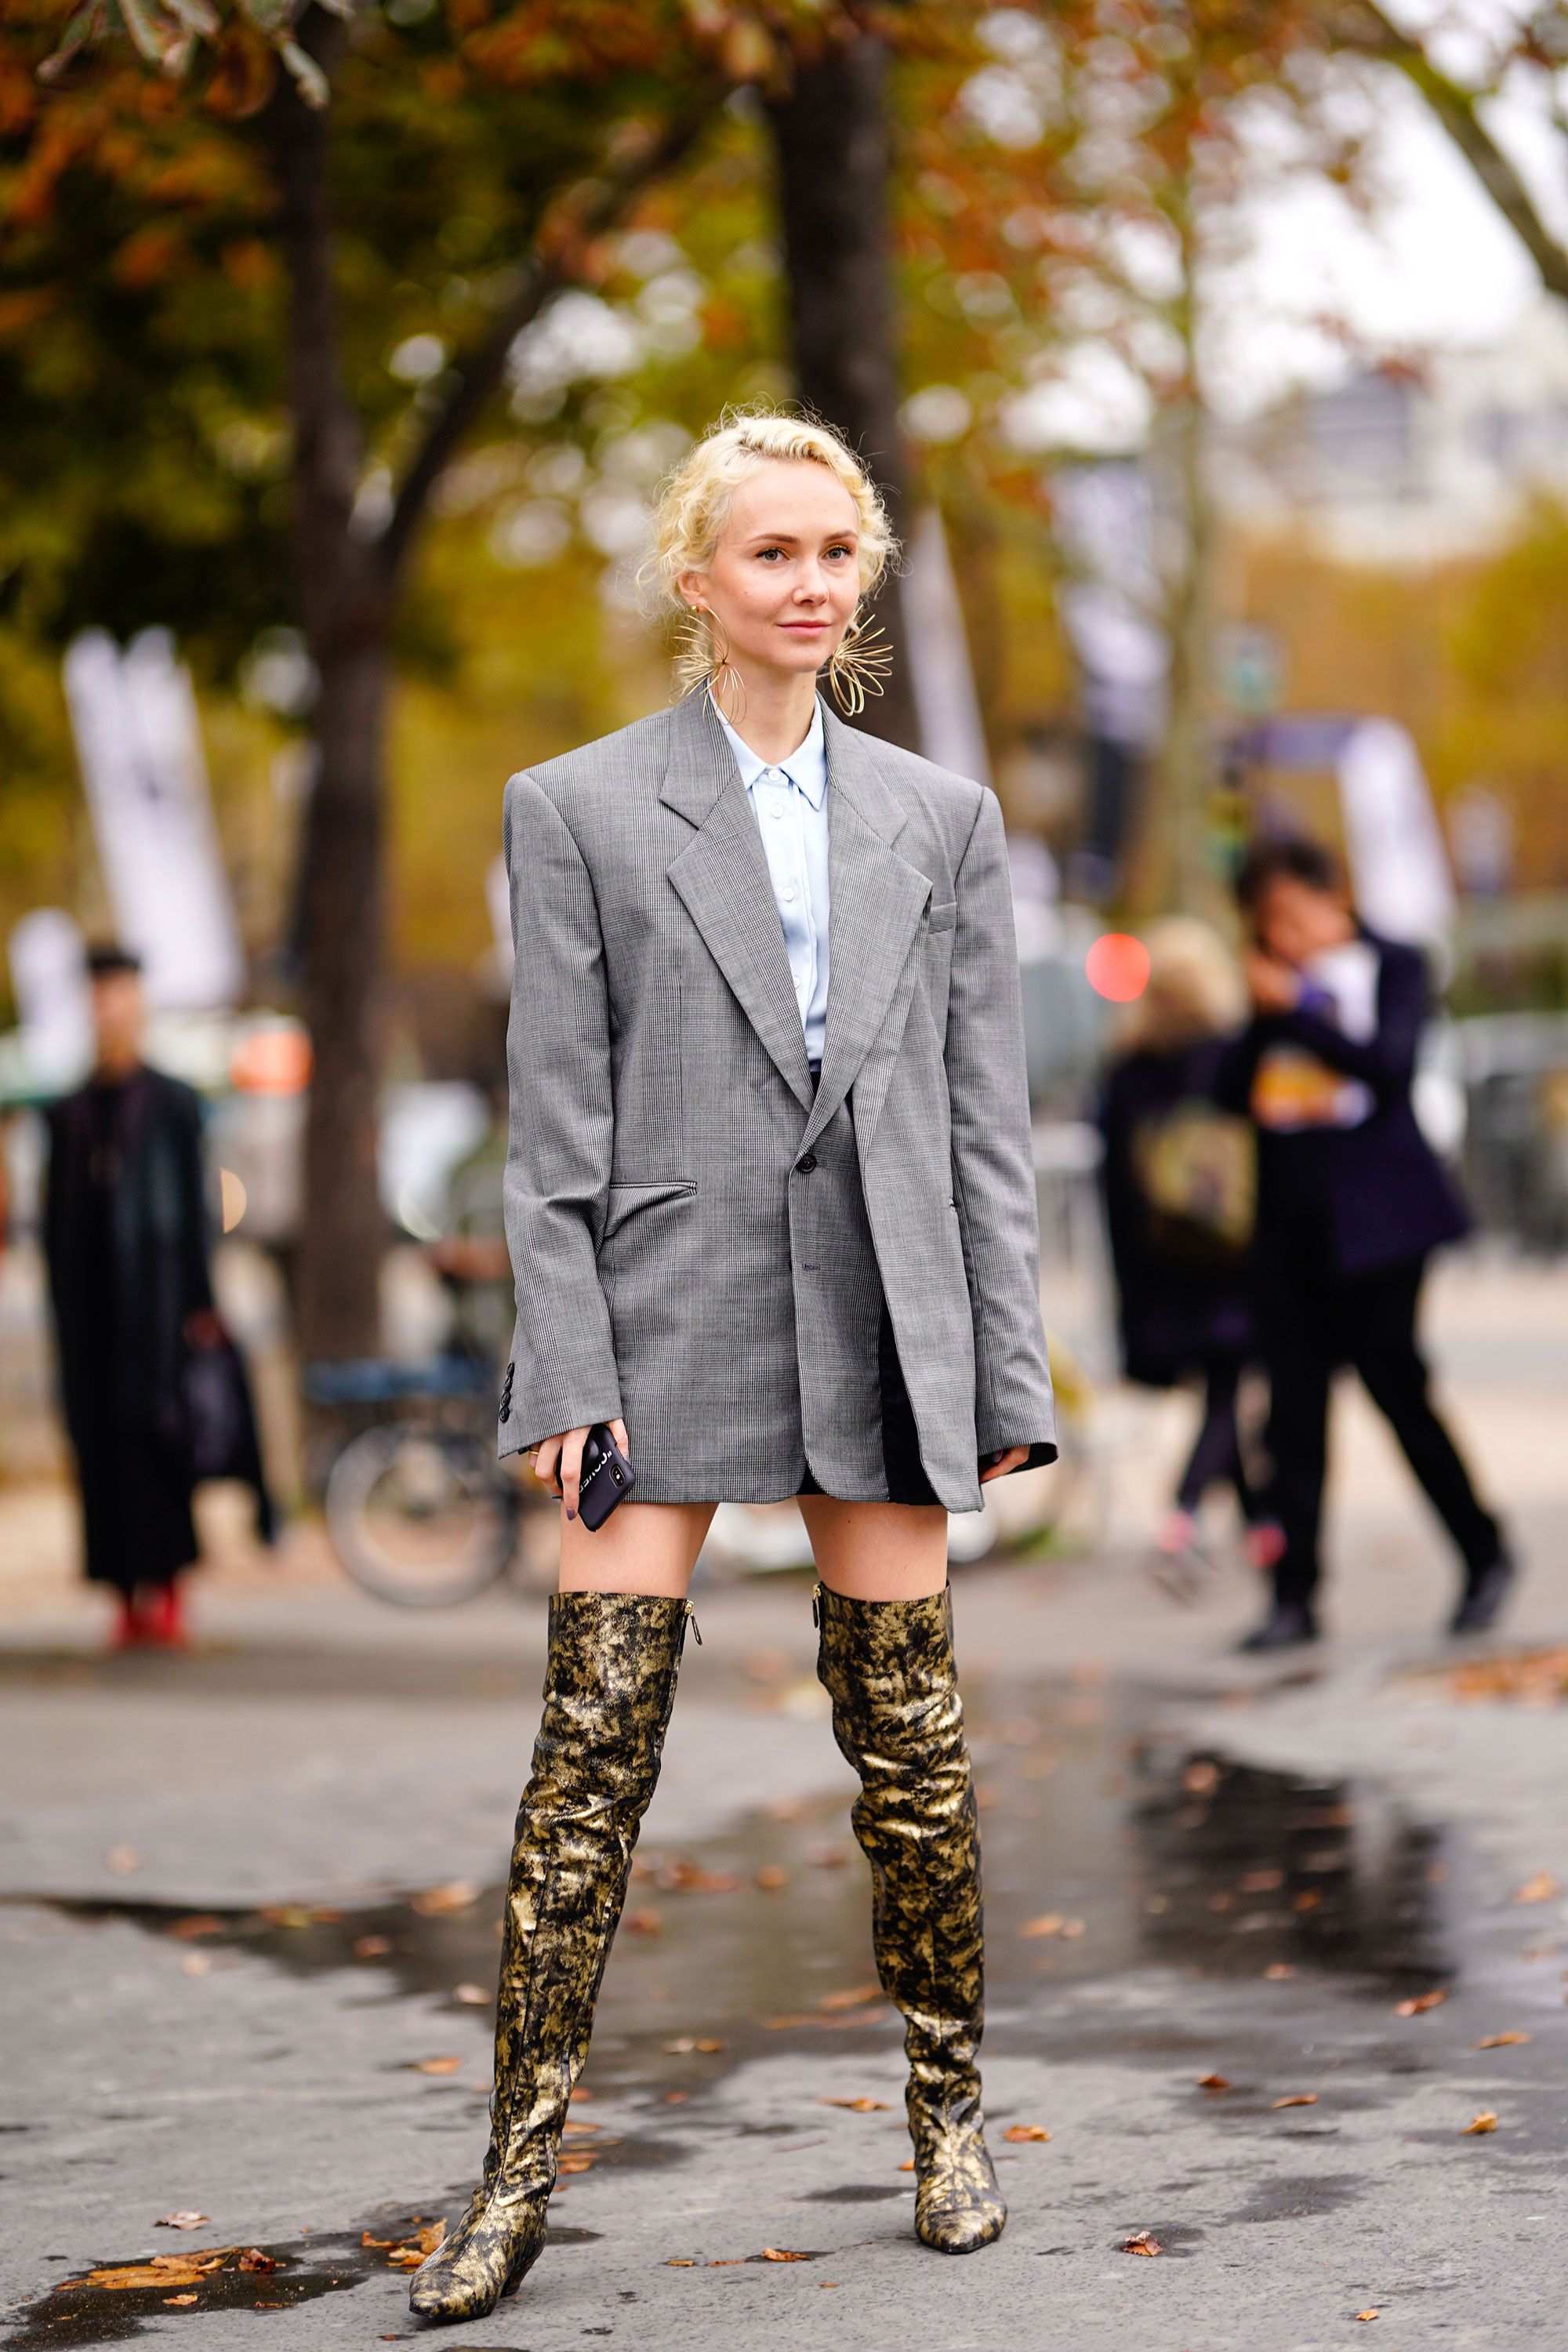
x,y
345,608
831,139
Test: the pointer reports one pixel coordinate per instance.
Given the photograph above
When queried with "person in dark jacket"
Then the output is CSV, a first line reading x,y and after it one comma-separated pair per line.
x,y
1351,1204
126,1240
1178,1182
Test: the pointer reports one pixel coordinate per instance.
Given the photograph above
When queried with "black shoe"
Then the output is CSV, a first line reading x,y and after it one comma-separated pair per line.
x,y
1288,1625
1481,1601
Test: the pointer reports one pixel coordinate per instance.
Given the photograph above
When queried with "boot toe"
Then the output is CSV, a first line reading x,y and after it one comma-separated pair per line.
x,y
467,2276
961,2227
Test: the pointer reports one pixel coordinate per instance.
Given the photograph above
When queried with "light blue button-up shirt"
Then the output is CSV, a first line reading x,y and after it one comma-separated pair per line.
x,y
789,801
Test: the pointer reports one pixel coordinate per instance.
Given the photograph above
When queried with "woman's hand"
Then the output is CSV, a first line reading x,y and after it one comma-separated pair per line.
x,y
558,1464
1013,1459
1273,986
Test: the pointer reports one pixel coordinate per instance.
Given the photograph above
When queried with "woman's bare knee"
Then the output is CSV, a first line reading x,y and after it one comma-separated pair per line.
x,y
642,1547
877,1551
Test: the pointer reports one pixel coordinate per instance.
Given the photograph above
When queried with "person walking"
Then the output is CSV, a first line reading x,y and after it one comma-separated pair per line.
x,y
1179,1175
771,1207
125,1238
1351,1204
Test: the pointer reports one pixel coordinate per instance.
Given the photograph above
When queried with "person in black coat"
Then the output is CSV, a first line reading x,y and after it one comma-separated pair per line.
x,y
1178,1179
126,1241
1351,1203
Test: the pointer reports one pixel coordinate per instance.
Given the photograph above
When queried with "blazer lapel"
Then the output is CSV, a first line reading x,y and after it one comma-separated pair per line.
x,y
722,878
876,902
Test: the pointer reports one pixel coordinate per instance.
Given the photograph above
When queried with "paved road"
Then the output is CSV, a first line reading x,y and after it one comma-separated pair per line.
x,y
229,1989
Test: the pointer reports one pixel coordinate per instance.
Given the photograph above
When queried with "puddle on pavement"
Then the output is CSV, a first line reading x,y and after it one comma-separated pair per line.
x,y
82,2311
79,2311
1108,1847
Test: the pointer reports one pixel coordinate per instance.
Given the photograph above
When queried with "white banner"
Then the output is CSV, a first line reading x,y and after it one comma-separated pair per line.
x,y
946,704
134,718
1399,868
49,973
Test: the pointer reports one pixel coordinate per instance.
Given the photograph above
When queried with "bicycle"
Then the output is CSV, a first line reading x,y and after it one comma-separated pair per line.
x,y
419,1511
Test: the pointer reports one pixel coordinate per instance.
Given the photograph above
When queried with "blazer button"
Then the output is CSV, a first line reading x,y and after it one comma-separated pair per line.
x,y
805,1164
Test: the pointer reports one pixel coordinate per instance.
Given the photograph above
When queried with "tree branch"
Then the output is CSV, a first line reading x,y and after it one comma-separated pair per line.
x,y
1367,27
557,261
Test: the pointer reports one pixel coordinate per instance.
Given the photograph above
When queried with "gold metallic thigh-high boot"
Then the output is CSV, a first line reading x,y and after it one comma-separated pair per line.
x,y
608,1688
888,1666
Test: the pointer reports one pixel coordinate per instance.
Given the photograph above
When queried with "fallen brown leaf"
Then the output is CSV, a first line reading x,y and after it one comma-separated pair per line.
x,y
858,2107
1297,2099
471,1996
783,2254
645,1923
196,1964
1049,1923
122,1860
1307,1900
1260,1882
200,1923
856,1997
1278,1970
1499,2041
452,1894
680,2263
180,2221
578,2159
1366,2314
771,1877
436,2065
1214,2083
366,2240
1419,2003
1485,2122
371,1947
1026,2131
689,1878
253,2259
828,1858
908,2165
175,2301
1143,2243
1539,1889
580,2095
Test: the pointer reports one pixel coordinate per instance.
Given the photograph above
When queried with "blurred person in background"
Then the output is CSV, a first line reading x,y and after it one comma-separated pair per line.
x,y
1351,1203
125,1234
1180,1180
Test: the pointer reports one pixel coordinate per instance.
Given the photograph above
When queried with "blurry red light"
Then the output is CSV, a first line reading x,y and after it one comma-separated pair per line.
x,y
1117,967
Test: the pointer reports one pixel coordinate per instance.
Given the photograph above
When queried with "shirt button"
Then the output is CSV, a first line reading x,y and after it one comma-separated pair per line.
x,y
788,894
776,808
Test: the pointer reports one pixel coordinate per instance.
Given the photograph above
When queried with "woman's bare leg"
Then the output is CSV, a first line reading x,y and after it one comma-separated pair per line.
x,y
648,1548
876,1551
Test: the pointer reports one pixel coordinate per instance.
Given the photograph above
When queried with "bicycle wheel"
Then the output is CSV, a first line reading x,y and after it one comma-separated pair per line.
x,y
420,1517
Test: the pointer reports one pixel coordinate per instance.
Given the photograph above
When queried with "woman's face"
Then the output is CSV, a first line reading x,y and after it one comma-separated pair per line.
x,y
1294,922
785,578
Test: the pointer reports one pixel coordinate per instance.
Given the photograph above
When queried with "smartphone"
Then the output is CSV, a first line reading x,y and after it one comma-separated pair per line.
x,y
606,1478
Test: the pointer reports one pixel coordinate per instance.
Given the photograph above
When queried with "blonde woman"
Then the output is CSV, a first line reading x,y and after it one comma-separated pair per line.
x,y
1179,1176
771,1211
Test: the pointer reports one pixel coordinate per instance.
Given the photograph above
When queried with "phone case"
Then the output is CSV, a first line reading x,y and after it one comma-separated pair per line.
x,y
607,1478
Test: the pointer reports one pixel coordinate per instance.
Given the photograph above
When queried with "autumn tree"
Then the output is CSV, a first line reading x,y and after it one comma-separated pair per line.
x,y
310,191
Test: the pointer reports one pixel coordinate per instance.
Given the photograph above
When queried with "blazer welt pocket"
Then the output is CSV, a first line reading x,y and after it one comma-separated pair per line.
x,y
943,915
624,1200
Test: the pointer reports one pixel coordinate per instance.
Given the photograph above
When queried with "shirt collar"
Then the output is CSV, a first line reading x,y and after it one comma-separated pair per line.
x,y
806,768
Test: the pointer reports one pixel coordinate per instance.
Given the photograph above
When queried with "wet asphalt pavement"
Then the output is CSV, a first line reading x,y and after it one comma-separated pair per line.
x,y
249,1936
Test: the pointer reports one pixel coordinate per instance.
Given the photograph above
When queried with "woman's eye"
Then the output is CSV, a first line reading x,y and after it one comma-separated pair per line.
x,y
766,554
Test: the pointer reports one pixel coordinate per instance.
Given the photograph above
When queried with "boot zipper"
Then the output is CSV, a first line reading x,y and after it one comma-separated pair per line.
x,y
692,1620
817,1605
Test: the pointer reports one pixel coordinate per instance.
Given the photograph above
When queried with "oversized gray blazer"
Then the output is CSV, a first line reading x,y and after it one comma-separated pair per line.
x,y
700,1245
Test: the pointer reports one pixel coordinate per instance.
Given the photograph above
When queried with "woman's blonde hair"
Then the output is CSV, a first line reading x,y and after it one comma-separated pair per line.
x,y
694,501
1193,990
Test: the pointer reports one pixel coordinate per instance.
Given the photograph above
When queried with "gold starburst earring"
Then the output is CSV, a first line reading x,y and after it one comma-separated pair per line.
x,y
725,683
859,665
